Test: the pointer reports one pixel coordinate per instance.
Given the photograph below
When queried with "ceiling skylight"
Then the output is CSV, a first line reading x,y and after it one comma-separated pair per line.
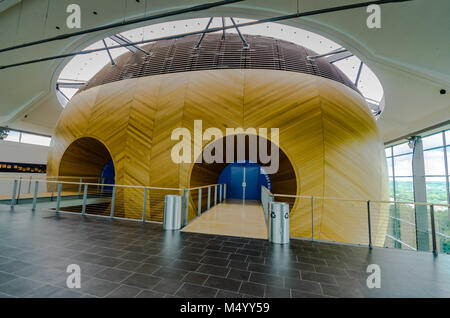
x,y
83,67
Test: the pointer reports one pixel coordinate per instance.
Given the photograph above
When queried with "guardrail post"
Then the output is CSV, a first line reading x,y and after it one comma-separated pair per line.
x,y
220,193
113,199
83,208
199,211
185,206
369,223
224,191
209,197
36,188
215,195
433,230
144,205
58,198
312,218
53,189
29,185
102,186
18,192
14,193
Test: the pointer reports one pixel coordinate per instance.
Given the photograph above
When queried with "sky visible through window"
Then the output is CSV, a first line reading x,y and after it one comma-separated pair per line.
x,y
27,138
83,67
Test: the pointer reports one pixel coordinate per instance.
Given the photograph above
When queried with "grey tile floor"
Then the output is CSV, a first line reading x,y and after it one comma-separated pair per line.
x,y
130,259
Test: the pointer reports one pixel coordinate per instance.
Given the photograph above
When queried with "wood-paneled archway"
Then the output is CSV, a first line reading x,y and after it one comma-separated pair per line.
x,y
326,131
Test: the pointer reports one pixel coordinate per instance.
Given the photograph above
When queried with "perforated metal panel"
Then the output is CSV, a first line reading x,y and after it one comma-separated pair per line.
x,y
180,55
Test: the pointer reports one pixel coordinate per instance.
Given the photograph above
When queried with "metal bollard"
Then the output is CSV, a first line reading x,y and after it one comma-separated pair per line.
x,y
172,212
224,191
279,223
220,193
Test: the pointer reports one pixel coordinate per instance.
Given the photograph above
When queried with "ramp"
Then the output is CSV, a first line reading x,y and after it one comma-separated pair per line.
x,y
233,218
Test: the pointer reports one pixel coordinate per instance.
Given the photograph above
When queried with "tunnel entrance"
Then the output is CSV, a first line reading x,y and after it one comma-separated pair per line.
x,y
284,180
89,159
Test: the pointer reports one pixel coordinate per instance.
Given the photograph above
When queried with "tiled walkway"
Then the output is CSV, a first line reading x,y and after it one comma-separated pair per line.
x,y
232,218
130,259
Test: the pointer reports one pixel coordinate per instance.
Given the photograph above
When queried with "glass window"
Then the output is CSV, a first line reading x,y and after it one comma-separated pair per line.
x,y
448,159
68,92
35,139
403,165
447,137
434,162
388,151
433,141
402,149
391,188
436,190
404,189
13,136
389,166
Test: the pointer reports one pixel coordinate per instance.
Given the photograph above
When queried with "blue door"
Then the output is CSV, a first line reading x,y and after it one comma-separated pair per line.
x,y
247,175
251,182
236,173
237,178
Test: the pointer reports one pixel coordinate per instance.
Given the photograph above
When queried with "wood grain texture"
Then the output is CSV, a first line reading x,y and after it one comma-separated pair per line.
x,y
327,136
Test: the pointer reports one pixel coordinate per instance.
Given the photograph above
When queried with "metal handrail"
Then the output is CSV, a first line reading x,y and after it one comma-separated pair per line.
x,y
359,200
401,242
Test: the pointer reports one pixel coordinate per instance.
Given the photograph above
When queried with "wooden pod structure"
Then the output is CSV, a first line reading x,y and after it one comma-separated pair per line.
x,y
329,142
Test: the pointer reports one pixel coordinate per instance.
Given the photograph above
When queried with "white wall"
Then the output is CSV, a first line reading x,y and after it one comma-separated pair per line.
x,y
23,153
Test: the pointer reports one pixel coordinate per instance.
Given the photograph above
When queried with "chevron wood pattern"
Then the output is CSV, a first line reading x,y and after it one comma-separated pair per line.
x,y
329,140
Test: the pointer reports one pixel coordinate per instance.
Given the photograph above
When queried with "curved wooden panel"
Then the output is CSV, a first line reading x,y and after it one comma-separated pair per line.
x,y
327,135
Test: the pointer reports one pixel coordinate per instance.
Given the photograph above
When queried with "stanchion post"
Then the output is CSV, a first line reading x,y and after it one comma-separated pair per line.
x,y
83,208
312,218
369,224
144,205
113,199
209,197
199,210
215,195
58,198
433,229
36,189
14,193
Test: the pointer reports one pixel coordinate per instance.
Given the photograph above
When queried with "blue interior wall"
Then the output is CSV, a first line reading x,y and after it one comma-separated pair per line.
x,y
108,173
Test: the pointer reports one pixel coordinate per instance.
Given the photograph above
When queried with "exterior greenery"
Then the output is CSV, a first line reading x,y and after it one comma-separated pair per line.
x,y
399,159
